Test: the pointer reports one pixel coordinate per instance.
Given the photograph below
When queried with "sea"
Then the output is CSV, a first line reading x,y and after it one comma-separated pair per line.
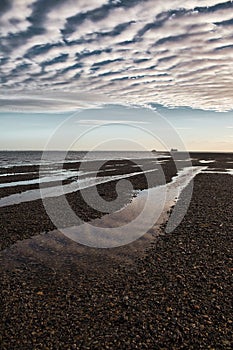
x,y
21,158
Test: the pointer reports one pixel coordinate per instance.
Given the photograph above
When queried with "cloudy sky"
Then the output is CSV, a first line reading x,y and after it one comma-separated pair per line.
x,y
127,62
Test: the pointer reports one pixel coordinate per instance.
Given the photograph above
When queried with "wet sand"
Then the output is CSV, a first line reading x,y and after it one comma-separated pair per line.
x,y
27,219
174,292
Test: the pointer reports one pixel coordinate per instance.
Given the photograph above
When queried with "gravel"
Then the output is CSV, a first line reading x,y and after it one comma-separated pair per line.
x,y
176,295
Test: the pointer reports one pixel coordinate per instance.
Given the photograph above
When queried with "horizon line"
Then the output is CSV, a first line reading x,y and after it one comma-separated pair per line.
x,y
114,150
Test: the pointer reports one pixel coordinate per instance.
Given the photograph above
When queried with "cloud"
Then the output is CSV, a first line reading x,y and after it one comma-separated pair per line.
x,y
55,101
106,122
172,53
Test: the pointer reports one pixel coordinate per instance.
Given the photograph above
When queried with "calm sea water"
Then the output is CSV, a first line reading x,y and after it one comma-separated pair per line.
x,y
19,158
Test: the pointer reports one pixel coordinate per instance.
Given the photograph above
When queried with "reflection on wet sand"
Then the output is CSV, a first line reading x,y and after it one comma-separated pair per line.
x,y
59,190
56,251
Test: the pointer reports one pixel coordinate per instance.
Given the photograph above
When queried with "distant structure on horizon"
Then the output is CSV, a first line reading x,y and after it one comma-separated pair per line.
x,y
174,149
154,151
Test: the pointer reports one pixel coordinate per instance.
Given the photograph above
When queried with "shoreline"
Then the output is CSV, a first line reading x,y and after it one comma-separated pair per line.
x,y
21,221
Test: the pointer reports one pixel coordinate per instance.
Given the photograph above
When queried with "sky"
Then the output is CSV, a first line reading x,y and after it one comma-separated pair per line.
x,y
116,74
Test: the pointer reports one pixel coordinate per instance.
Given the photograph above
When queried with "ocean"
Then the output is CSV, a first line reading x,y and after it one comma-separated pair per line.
x,y
21,158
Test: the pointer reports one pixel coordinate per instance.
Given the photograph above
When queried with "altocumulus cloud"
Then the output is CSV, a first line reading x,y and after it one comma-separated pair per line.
x,y
75,54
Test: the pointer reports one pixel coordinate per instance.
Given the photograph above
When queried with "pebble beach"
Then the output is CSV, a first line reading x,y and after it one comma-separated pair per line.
x,y
172,291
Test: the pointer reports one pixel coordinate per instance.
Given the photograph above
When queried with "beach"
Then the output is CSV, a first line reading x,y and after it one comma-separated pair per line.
x,y
163,291
116,175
